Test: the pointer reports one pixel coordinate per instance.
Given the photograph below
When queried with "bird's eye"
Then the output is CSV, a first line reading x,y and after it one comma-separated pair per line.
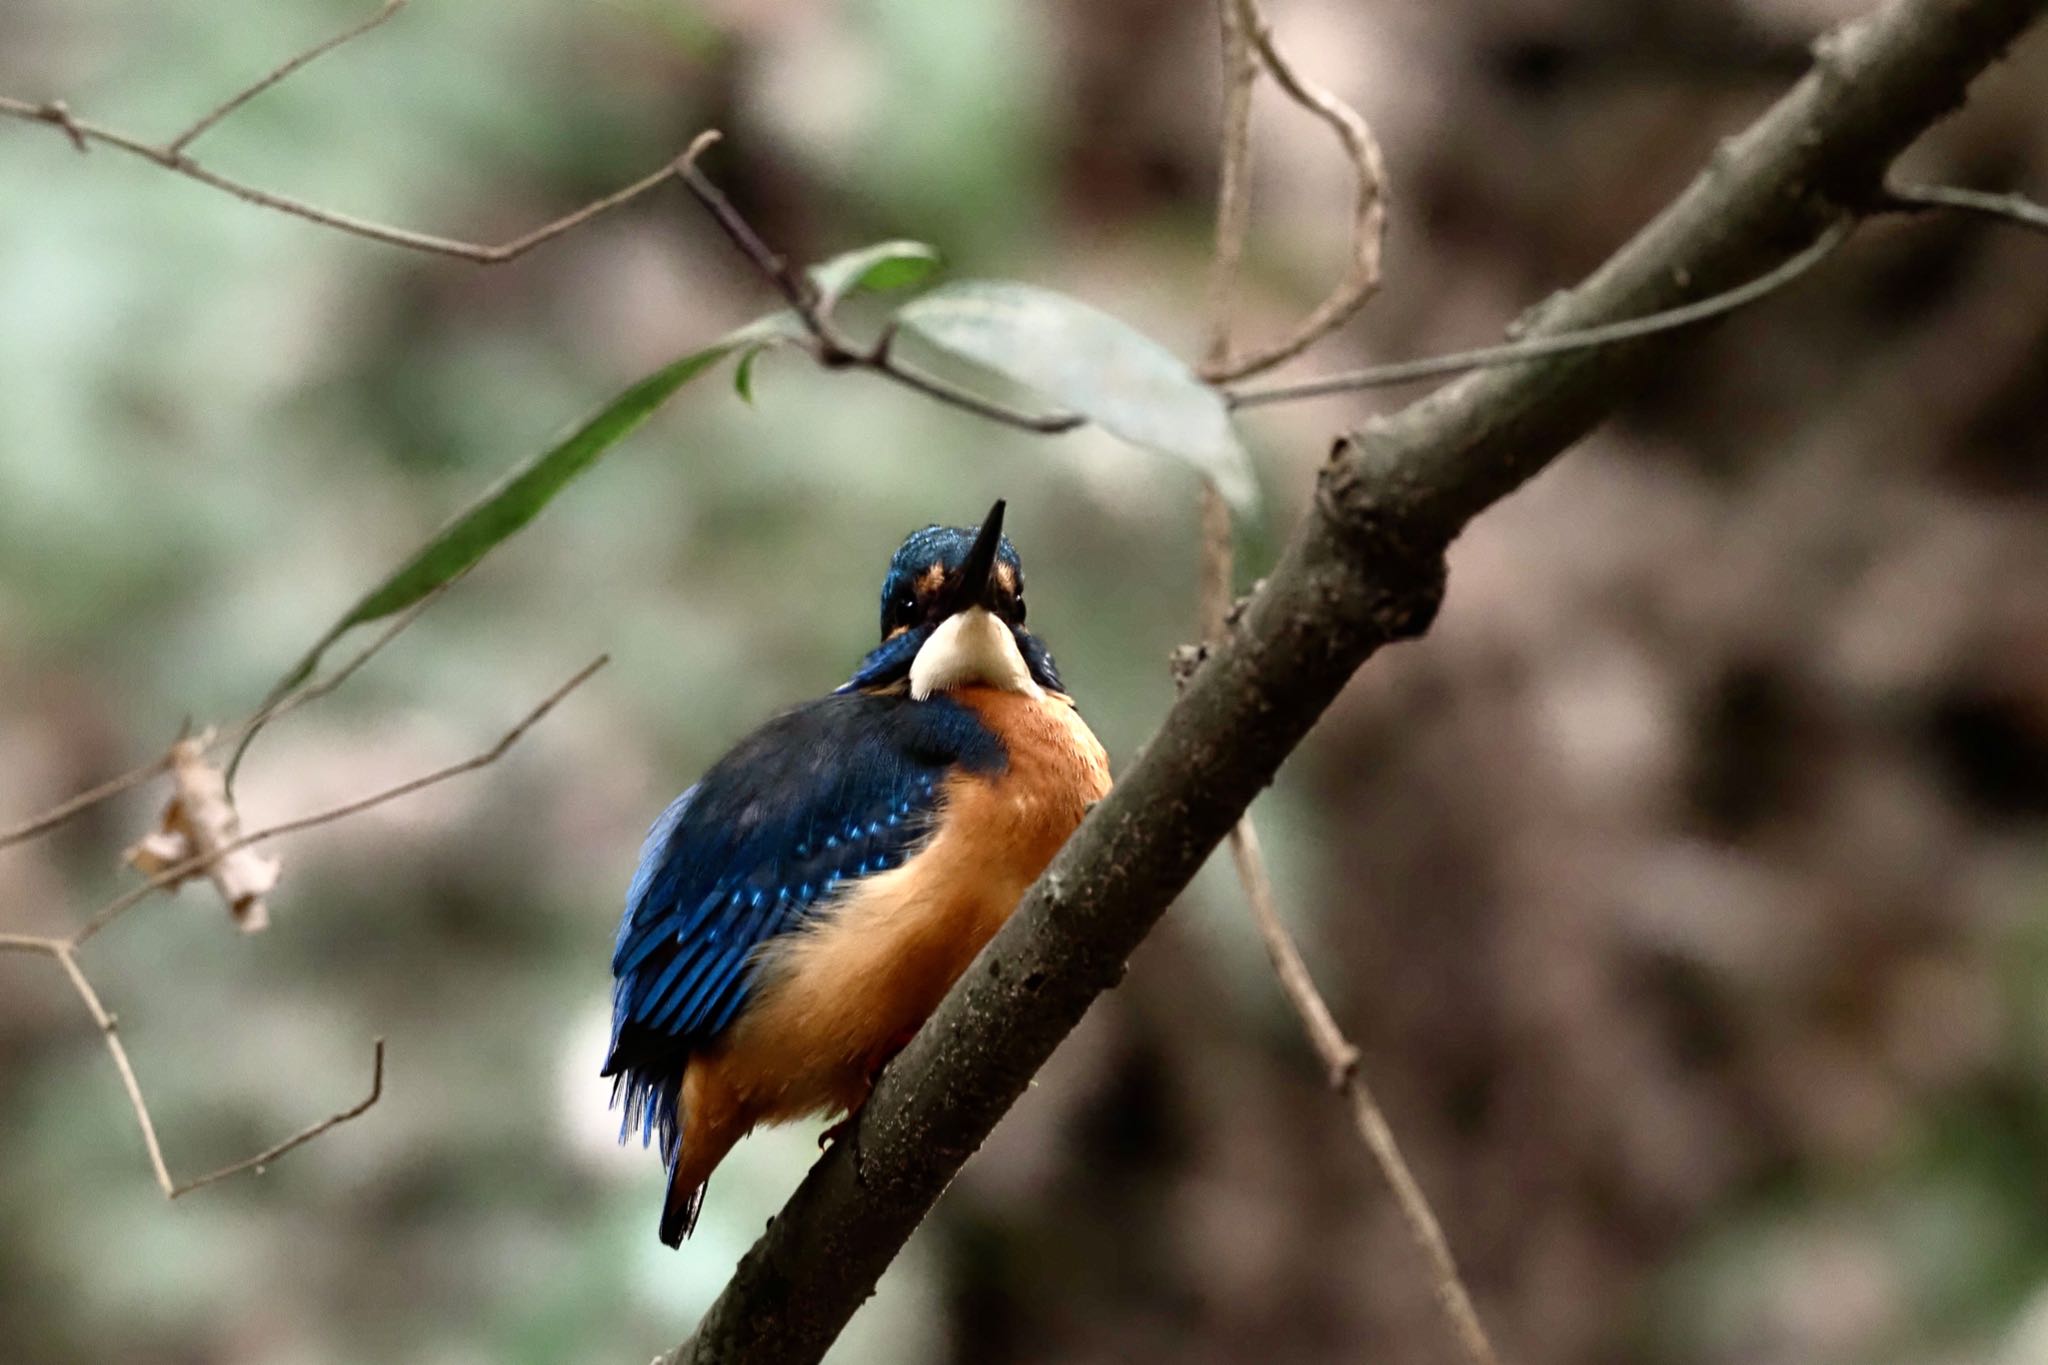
x,y
904,604
1020,606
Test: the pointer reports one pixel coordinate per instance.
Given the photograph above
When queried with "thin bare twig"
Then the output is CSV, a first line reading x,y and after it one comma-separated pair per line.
x,y
171,156
85,801
128,900
244,734
29,943
1340,1056
2015,209
262,1159
66,955
158,766
110,1031
285,68
827,344
1538,348
1369,212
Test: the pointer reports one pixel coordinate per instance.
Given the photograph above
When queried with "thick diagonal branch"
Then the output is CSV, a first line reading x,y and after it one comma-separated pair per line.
x,y
1363,569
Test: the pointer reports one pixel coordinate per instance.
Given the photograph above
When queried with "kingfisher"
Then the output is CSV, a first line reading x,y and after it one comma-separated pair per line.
x,y
799,912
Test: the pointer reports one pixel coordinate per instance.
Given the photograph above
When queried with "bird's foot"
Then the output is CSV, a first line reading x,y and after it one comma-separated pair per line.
x,y
843,1130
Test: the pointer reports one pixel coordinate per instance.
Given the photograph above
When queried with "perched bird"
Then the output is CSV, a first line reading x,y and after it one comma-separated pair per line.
x,y
799,912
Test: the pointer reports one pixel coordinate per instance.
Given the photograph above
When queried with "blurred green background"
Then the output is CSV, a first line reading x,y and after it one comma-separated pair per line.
x,y
1687,888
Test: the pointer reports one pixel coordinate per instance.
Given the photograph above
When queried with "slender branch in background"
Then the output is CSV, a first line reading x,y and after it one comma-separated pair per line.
x,y
1369,211
110,1031
171,156
827,344
128,900
1364,568
2016,209
206,121
244,734
1563,343
1341,1057
1242,27
85,801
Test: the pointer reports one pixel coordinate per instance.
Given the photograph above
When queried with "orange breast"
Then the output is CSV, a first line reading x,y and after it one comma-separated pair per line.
x,y
837,998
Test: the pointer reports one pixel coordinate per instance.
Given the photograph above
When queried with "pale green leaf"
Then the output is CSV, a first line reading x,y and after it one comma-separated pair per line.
x,y
1093,364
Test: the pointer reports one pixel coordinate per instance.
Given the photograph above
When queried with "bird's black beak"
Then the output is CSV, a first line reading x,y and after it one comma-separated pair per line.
x,y
974,583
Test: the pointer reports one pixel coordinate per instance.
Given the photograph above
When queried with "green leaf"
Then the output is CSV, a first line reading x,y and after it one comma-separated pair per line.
x,y
743,373
1085,360
885,265
506,507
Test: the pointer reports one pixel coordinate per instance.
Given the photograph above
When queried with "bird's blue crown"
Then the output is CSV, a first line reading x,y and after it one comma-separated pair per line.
x,y
921,589
924,561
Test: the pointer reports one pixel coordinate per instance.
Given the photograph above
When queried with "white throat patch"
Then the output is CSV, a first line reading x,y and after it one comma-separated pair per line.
x,y
969,649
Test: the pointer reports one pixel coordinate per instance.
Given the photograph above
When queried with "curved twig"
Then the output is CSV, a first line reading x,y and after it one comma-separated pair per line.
x,y
826,344
1369,213
84,801
178,871
262,1159
206,121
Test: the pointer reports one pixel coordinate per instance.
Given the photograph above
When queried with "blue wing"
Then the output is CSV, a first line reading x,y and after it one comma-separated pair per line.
x,y
831,792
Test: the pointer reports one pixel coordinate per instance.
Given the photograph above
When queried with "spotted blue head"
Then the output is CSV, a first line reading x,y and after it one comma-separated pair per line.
x,y
953,616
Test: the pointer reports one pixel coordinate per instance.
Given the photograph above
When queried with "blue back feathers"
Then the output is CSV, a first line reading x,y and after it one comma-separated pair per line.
x,y
835,790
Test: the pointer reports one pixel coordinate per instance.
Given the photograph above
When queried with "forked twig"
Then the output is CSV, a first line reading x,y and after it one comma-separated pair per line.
x,y
128,900
171,156
827,345
66,957
2016,209
262,1159
291,701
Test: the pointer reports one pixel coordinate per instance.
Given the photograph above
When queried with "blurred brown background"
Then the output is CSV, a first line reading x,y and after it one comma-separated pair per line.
x,y
1687,887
